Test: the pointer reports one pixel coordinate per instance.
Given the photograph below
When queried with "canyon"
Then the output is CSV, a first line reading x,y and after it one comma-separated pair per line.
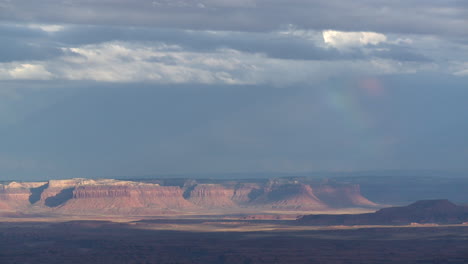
x,y
173,196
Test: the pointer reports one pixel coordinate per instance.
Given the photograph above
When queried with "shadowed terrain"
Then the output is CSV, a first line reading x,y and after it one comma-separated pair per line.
x,y
420,212
60,198
221,221
107,242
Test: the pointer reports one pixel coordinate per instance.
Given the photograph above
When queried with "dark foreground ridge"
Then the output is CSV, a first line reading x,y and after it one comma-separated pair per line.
x,y
420,212
103,242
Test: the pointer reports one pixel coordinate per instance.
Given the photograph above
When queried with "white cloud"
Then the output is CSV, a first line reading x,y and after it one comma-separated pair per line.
x,y
459,68
161,63
292,30
47,27
27,72
125,62
462,72
343,40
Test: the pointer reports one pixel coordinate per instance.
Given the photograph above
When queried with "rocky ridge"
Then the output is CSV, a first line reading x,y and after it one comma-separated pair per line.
x,y
108,196
420,212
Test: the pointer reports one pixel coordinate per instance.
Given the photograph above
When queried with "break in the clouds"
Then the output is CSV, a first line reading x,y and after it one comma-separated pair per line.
x,y
359,77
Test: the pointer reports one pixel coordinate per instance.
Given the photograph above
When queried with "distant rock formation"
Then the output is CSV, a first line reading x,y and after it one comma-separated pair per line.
x,y
108,196
15,196
342,195
421,212
290,196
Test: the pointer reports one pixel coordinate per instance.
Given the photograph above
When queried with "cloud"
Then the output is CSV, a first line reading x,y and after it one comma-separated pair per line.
x,y
23,43
339,39
447,18
463,71
284,44
161,63
25,72
126,62
26,50
282,57
288,43
47,28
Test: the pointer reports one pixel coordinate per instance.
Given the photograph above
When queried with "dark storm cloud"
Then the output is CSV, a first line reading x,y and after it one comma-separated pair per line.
x,y
412,16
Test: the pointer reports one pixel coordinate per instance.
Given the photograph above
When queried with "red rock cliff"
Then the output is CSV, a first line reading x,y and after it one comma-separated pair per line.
x,y
212,196
85,196
14,196
342,196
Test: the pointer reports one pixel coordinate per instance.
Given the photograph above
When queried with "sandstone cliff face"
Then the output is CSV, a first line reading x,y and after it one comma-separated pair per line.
x,y
14,196
85,196
342,196
52,195
290,196
134,199
212,196
245,193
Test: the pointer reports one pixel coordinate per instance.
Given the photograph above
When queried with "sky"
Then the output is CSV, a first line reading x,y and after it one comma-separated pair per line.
x,y
132,88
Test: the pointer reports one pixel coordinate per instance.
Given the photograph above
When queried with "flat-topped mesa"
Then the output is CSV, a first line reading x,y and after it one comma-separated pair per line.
x,y
65,183
68,183
16,195
101,188
108,196
145,194
21,185
113,189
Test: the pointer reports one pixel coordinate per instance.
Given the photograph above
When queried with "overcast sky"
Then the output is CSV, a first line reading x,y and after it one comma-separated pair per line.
x,y
120,88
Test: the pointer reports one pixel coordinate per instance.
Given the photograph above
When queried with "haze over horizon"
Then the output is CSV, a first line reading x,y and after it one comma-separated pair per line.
x,y
117,88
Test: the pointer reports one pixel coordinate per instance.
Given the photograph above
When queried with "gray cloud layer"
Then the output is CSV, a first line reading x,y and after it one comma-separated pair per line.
x,y
409,17
22,43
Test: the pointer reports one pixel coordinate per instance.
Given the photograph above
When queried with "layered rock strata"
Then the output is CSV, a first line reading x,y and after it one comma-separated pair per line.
x,y
107,196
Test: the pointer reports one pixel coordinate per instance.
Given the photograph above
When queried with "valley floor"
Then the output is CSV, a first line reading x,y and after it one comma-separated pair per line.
x,y
225,241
